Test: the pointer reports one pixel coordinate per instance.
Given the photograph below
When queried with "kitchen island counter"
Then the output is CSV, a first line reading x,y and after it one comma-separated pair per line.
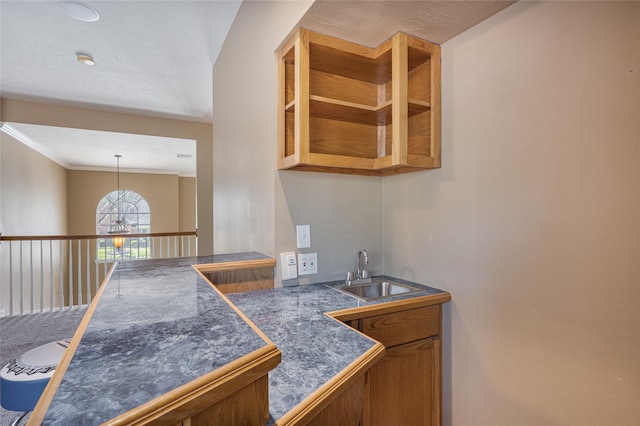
x,y
159,325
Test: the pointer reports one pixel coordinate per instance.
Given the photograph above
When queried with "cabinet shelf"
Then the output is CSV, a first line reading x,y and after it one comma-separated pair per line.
x,y
335,109
348,108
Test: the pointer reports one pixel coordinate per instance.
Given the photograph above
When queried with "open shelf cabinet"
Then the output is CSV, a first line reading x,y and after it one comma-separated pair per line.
x,y
348,108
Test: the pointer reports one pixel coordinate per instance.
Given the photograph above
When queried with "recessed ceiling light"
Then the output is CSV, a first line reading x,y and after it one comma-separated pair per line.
x,y
83,58
79,11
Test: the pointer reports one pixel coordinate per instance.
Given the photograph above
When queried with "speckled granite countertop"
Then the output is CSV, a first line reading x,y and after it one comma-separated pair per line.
x,y
169,327
314,346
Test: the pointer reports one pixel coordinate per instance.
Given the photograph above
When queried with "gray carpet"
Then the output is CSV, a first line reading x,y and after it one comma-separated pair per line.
x,y
19,334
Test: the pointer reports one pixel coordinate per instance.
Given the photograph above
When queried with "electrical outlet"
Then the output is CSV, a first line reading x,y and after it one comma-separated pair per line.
x,y
303,233
307,263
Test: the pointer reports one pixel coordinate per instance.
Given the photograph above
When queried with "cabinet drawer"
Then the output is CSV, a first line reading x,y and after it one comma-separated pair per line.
x,y
404,326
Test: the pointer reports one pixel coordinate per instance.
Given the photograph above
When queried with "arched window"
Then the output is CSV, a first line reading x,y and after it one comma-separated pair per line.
x,y
134,209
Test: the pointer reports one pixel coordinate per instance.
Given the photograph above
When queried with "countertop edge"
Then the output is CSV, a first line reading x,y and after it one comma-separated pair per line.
x,y
191,398
313,404
390,306
236,265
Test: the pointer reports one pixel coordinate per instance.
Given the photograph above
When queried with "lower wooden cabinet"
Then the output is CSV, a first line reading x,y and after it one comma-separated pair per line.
x,y
404,387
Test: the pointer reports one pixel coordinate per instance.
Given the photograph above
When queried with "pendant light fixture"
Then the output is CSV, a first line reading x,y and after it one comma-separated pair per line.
x,y
119,226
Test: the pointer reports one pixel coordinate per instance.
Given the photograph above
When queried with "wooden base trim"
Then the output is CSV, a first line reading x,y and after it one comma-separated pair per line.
x,y
364,171
287,162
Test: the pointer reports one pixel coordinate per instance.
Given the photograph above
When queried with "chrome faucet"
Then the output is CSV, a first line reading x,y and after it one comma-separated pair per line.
x,y
361,275
360,272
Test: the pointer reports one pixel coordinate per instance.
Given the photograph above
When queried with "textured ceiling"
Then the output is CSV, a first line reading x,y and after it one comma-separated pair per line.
x,y
372,22
156,58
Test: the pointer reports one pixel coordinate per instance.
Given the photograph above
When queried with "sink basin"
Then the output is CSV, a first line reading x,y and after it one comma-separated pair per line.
x,y
376,289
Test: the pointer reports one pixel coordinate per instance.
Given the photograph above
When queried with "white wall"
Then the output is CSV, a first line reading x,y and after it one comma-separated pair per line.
x,y
244,126
533,221
33,194
257,207
344,214
33,191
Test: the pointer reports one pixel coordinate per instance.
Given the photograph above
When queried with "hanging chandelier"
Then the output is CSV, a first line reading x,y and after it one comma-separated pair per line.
x,y
119,226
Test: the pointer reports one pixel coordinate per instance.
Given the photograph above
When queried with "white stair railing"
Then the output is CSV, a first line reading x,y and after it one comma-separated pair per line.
x,y
54,272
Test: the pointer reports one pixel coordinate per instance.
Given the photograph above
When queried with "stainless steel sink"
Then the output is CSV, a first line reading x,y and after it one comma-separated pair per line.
x,y
377,289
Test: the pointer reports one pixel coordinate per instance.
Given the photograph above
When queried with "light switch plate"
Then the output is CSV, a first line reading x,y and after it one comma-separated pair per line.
x,y
303,233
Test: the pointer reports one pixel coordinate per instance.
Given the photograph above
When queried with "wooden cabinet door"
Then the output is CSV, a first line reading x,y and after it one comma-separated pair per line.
x,y
345,410
405,385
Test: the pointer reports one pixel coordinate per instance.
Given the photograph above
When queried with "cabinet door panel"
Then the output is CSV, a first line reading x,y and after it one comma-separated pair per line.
x,y
404,385
404,326
345,410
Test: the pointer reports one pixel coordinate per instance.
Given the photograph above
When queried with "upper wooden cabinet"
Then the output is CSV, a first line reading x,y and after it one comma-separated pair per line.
x,y
348,108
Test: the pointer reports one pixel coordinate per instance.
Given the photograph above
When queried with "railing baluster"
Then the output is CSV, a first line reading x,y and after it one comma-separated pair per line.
x,y
61,283
41,278
88,273
31,275
104,249
175,247
10,278
79,294
96,283
21,281
105,262
70,273
51,286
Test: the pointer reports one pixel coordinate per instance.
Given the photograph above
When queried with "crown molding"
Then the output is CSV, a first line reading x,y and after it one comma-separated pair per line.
x,y
26,140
